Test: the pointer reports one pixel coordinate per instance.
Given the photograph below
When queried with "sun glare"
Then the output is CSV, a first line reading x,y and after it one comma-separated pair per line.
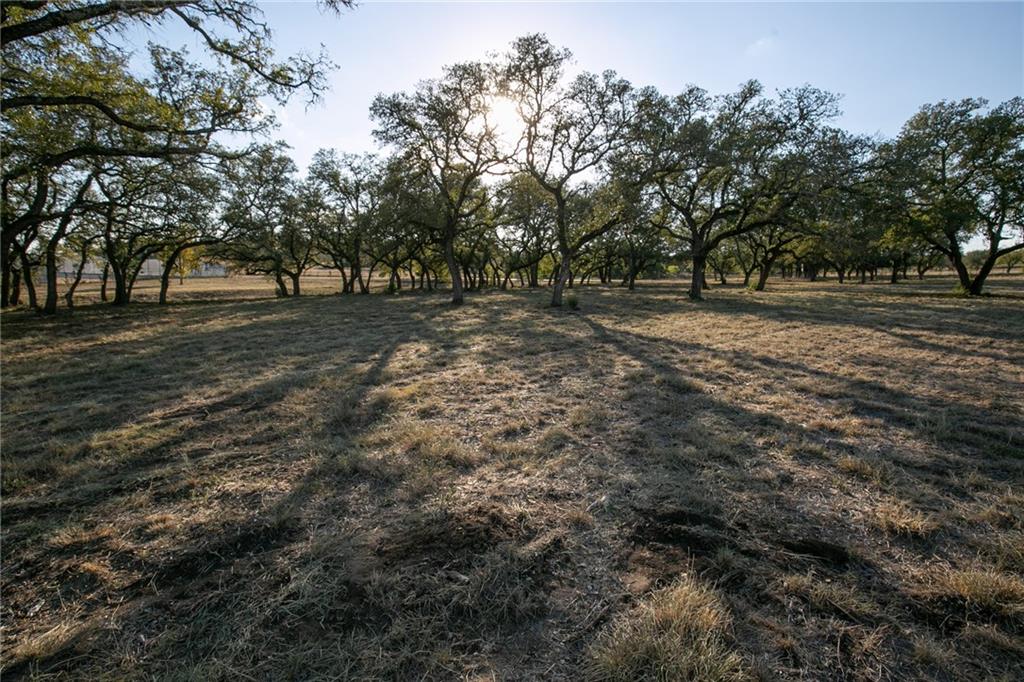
x,y
503,115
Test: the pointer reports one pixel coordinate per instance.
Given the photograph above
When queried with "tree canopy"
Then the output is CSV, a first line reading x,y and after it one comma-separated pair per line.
x,y
507,171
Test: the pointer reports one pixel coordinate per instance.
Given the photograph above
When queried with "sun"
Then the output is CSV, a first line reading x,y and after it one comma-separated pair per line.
x,y
504,116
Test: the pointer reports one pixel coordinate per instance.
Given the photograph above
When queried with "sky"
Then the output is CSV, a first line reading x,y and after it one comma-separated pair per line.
x,y
885,59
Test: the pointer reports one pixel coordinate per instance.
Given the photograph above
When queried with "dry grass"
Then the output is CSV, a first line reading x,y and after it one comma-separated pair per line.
x,y
679,633
985,590
826,596
897,518
814,482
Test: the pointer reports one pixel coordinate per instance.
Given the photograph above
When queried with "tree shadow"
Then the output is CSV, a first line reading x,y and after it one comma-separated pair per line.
x,y
305,537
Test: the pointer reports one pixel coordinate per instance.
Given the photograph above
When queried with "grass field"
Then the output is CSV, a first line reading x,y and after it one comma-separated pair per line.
x,y
814,482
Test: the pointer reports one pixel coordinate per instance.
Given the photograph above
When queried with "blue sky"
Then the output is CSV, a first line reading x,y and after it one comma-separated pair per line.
x,y
886,59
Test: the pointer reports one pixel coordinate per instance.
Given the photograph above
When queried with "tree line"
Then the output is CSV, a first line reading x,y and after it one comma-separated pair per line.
x,y
510,171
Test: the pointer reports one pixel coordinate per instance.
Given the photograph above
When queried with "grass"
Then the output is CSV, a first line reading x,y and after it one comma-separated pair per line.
x,y
812,482
987,590
678,633
897,518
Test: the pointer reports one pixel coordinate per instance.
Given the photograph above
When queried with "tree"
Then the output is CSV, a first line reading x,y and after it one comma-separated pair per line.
x,y
571,132
640,245
194,202
69,96
1011,260
404,221
525,232
836,172
80,247
961,171
64,223
352,186
137,220
725,166
263,213
444,131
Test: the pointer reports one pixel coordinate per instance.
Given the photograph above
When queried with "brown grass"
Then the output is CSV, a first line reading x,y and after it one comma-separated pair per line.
x,y
897,518
988,590
813,482
678,633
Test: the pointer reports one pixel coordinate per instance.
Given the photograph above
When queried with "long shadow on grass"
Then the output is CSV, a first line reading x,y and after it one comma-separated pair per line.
x,y
189,576
844,306
965,429
706,500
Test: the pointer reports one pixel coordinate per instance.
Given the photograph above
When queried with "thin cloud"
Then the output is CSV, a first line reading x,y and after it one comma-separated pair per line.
x,y
764,46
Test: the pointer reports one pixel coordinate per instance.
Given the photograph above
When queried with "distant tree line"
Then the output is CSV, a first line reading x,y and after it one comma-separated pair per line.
x,y
499,173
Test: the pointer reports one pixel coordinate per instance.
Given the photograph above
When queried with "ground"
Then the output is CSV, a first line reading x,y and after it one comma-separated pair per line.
x,y
813,482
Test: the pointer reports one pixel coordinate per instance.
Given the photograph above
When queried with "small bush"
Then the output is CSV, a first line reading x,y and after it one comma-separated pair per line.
x,y
572,301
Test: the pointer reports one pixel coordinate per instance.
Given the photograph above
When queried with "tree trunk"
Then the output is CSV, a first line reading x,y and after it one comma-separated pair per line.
x,y
697,276
30,286
364,287
69,295
762,277
165,275
282,288
344,280
296,290
979,279
103,282
561,280
50,306
120,286
5,274
961,272
369,280
765,271
15,287
453,270
133,277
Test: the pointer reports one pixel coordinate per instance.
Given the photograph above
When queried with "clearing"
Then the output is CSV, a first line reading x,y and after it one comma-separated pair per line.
x,y
814,482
